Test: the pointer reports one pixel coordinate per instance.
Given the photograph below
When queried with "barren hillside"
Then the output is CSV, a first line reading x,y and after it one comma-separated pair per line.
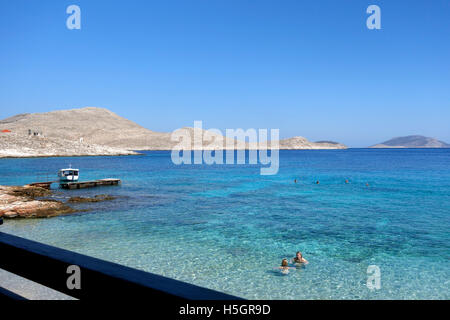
x,y
303,143
90,130
92,125
18,146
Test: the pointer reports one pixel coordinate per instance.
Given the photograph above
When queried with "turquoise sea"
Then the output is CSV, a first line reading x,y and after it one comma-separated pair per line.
x,y
226,227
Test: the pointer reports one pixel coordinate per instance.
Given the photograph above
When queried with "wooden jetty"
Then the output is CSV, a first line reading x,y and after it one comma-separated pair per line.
x,y
89,184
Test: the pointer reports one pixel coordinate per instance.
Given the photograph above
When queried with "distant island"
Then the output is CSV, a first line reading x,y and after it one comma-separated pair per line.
x,y
98,131
415,141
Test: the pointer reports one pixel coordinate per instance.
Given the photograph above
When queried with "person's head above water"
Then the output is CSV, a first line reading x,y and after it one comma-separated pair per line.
x,y
299,258
284,263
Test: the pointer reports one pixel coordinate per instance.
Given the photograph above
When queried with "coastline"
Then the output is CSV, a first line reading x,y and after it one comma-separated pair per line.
x,y
72,155
139,152
133,153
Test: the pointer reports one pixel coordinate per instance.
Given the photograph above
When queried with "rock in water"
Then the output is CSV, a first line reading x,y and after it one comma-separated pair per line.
x,y
97,198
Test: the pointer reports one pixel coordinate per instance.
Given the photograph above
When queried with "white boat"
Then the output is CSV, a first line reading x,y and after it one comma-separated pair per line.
x,y
68,175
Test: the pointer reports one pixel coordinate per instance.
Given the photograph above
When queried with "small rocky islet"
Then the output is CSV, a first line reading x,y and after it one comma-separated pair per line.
x,y
31,202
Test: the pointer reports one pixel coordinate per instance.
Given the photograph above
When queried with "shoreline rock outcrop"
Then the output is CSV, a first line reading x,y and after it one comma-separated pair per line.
x,y
31,202
22,202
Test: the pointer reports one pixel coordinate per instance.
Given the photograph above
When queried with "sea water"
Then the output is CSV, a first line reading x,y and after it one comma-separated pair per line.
x,y
227,228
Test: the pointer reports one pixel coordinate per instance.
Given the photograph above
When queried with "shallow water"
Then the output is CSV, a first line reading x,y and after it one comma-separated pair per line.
x,y
228,228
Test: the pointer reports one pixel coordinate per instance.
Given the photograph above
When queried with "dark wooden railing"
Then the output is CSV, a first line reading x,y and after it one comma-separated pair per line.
x,y
47,265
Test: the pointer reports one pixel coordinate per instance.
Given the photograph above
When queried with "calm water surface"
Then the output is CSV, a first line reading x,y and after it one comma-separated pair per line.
x,y
227,227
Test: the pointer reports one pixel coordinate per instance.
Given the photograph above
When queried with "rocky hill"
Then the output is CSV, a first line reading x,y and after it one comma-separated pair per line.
x,y
95,131
303,143
90,125
414,141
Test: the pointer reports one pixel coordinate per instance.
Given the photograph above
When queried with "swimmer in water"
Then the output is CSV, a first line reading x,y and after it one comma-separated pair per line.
x,y
346,180
299,258
317,182
295,180
285,266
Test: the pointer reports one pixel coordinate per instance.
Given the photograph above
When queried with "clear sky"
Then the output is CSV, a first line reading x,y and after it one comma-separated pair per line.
x,y
309,68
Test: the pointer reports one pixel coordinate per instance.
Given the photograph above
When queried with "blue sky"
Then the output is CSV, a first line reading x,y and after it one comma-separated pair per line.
x,y
309,68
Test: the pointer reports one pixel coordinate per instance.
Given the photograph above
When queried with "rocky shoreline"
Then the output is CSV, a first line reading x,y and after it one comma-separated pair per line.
x,y
29,202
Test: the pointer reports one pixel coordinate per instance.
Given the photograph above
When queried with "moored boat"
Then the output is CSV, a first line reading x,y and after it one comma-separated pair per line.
x,y
68,175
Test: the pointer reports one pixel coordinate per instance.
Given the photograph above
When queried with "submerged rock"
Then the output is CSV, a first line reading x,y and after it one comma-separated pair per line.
x,y
97,198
